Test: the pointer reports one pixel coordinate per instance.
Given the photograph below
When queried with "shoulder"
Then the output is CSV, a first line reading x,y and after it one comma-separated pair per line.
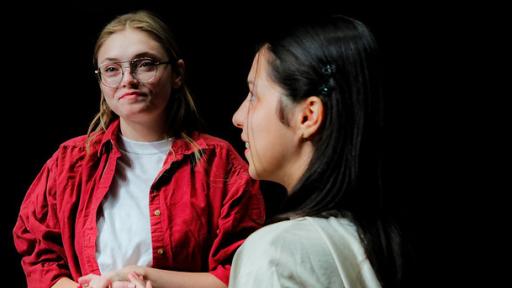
x,y
285,241
70,151
302,253
330,243
221,150
74,146
74,143
340,237
332,226
209,139
288,236
339,234
305,226
290,254
211,142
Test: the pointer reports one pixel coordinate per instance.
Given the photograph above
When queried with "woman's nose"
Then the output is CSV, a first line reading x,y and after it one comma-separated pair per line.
x,y
128,75
240,114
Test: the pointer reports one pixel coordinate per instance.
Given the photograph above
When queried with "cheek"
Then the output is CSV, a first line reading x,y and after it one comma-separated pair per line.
x,y
164,82
107,92
161,90
264,144
108,95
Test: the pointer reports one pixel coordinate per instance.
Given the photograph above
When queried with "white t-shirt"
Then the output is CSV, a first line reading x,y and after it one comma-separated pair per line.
x,y
124,232
303,252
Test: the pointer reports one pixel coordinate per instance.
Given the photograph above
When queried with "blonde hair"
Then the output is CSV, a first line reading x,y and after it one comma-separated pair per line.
x,y
182,114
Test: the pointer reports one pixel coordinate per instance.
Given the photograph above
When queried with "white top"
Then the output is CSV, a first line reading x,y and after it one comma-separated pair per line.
x,y
124,232
304,252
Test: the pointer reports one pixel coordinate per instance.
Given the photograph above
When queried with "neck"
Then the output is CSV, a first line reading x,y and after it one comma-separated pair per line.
x,y
143,132
297,166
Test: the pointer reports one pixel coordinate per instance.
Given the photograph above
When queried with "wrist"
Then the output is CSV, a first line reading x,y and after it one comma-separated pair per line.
x,y
114,276
122,274
141,270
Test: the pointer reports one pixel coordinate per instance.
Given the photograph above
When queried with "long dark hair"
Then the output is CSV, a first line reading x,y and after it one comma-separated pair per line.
x,y
335,58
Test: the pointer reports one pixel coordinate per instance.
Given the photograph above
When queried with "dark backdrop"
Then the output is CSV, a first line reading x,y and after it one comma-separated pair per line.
x,y
50,94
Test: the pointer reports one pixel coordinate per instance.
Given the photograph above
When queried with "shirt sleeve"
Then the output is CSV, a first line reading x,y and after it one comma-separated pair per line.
x,y
242,212
37,235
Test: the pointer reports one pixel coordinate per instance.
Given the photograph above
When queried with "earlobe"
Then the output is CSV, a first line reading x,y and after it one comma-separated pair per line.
x,y
311,117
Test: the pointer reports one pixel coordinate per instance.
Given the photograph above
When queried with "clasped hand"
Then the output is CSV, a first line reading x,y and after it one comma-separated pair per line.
x,y
127,277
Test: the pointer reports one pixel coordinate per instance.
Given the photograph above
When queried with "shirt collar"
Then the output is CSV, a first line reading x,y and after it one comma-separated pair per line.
x,y
110,136
179,145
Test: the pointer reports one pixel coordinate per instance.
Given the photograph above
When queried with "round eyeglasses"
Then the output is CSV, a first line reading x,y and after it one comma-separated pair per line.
x,y
142,69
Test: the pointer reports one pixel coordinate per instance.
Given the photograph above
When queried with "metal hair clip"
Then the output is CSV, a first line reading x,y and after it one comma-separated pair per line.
x,y
329,70
325,90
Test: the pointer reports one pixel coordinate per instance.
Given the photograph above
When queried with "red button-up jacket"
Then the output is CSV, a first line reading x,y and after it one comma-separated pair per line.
x,y
200,212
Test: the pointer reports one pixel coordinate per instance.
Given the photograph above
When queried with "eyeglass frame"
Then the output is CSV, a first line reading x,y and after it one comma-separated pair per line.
x,y
156,63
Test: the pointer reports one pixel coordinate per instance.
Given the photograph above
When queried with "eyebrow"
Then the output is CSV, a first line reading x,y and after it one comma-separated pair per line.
x,y
136,56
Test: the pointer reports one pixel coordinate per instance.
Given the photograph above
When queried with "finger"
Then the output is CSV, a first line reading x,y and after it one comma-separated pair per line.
x,y
123,284
100,282
136,275
85,279
136,279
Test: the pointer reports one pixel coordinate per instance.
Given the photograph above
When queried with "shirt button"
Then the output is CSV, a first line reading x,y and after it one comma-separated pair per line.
x,y
160,251
157,212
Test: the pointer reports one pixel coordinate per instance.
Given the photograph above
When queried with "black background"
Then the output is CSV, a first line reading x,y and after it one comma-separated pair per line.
x,y
50,94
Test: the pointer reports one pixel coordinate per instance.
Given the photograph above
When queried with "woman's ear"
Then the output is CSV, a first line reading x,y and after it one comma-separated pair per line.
x,y
178,80
311,113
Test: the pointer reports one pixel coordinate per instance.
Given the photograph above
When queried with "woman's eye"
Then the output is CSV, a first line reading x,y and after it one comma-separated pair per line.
x,y
147,63
110,69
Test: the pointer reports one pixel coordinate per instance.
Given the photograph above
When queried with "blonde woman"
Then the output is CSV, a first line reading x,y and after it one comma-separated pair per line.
x,y
143,192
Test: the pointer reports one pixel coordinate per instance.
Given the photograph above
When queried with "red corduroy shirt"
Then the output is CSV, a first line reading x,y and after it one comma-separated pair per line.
x,y
200,212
